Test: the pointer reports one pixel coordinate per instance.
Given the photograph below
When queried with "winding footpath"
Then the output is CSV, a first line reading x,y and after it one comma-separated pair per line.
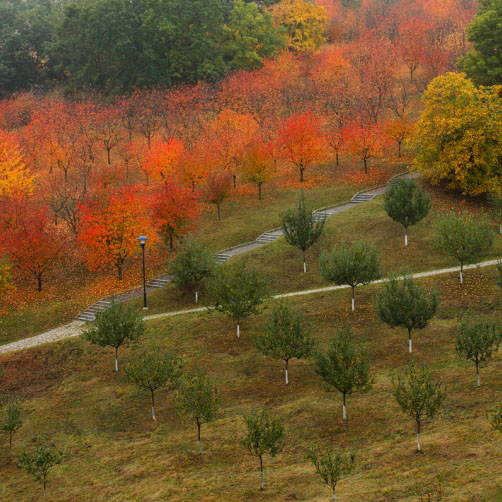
x,y
76,327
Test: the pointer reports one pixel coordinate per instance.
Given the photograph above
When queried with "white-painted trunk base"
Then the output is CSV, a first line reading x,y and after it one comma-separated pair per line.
x,y
116,365
405,239
153,413
344,412
500,229
479,380
200,446
196,296
410,346
418,442
304,268
238,330
262,481
461,278
287,377
353,304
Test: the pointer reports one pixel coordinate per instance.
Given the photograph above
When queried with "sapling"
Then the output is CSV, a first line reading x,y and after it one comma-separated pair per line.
x,y
116,326
39,463
264,435
199,400
285,336
154,371
418,395
301,228
464,238
354,265
406,203
192,265
332,465
403,303
237,291
344,367
477,340
12,421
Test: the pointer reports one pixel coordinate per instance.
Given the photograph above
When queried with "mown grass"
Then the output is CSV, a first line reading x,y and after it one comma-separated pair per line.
x,y
116,453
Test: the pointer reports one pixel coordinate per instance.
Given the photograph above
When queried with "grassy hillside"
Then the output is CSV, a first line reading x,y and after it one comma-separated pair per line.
x,y
116,453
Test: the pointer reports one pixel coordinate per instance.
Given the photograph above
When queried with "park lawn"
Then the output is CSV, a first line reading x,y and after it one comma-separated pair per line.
x,y
282,264
115,452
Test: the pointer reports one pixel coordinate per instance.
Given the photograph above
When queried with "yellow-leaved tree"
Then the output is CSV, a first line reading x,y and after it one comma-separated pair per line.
x,y
304,23
458,138
14,176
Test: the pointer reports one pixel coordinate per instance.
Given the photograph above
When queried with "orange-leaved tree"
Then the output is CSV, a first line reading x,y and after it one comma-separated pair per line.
x,y
301,141
162,160
15,178
174,210
110,226
258,164
399,130
364,141
217,188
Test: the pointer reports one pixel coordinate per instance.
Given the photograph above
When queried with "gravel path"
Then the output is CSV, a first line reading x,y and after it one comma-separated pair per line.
x,y
75,327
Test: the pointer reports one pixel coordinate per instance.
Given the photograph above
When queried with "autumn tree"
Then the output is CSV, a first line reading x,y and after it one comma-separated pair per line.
x,y
364,141
406,203
304,23
403,303
174,210
477,340
258,166
115,326
264,435
153,371
354,265
458,136
110,226
15,178
301,227
463,238
301,141
162,160
344,366
285,335
399,130
418,395
217,189
237,291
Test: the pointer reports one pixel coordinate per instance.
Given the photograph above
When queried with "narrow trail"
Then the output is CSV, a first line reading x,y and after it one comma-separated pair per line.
x,y
75,328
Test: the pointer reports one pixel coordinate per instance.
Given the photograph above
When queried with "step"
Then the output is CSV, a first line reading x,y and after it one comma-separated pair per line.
x,y
86,317
267,238
222,258
319,216
158,283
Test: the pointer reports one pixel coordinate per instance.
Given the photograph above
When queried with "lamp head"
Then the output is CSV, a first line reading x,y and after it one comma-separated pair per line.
x,y
142,240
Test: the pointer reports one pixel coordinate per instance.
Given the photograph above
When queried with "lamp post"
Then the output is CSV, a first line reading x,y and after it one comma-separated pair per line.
x,y
142,243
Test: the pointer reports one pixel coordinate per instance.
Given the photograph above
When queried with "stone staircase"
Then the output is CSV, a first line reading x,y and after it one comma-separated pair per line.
x,y
319,215
160,282
362,197
270,236
90,314
222,257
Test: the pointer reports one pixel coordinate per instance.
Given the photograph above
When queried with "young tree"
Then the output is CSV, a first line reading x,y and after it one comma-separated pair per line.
x,y
418,395
39,463
264,435
496,419
406,203
344,367
115,326
464,238
477,340
199,400
301,141
154,371
12,420
354,265
192,265
332,465
237,291
285,336
300,227
217,189
495,202
402,303
399,130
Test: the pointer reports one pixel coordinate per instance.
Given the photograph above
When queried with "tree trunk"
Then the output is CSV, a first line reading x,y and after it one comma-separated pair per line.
x,y
301,174
45,488
109,156
287,376
478,375
198,437
153,406
410,345
171,242
219,212
365,165
353,298
406,236
461,273
262,482
238,329
500,228
119,270
304,263
259,191
399,149
336,157
116,359
196,295
344,407
234,177
334,495
418,436
39,283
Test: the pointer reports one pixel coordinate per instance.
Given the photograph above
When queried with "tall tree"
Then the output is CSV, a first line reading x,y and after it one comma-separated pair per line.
x,y
406,203
354,265
258,164
199,400
463,238
264,435
344,367
285,335
477,340
116,326
402,303
301,227
237,291
217,189
153,371
418,395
